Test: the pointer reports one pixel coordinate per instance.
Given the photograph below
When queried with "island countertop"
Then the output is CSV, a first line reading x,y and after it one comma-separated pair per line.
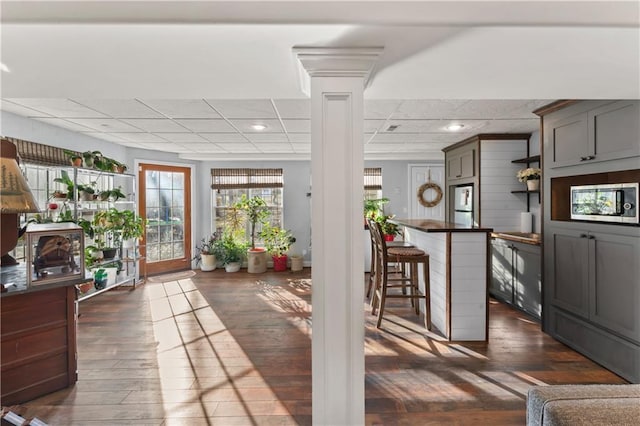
x,y
429,225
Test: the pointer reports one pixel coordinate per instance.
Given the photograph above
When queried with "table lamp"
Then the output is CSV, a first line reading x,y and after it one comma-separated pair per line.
x,y
15,197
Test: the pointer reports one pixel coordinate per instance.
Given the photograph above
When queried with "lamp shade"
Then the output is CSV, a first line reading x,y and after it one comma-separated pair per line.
x,y
15,195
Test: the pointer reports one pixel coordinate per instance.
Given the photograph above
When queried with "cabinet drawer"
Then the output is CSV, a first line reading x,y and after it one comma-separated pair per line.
x,y
21,348
34,379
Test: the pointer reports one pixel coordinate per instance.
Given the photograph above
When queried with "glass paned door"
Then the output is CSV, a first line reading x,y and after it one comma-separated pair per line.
x,y
165,200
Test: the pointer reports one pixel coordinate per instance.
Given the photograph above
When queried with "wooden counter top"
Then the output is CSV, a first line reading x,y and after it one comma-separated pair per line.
x,y
428,225
518,237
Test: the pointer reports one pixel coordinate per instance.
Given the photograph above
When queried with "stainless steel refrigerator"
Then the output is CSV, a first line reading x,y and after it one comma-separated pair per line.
x,y
463,205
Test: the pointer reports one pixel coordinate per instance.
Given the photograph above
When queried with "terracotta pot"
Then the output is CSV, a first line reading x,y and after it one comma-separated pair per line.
x,y
279,263
76,162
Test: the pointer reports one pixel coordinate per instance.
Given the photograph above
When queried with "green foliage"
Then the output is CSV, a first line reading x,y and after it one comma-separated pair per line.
x,y
115,194
206,246
388,228
229,249
108,226
277,241
374,208
133,226
66,180
256,210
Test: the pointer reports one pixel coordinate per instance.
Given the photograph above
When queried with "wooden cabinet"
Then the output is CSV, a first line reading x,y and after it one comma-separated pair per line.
x,y
605,132
461,165
516,276
595,276
38,343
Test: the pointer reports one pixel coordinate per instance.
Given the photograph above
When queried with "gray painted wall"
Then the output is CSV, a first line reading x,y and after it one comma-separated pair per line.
x,y
297,212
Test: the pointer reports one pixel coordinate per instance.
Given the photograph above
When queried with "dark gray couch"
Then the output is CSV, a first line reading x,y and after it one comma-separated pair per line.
x,y
572,405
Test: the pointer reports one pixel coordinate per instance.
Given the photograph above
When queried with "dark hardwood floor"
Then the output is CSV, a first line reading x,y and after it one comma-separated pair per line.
x,y
223,348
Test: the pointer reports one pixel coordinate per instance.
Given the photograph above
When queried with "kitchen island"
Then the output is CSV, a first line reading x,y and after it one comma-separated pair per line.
x,y
459,274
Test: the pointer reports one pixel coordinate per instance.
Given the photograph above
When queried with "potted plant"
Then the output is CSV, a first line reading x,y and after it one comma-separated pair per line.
x,y
133,228
531,176
257,212
277,242
64,179
87,192
373,208
89,158
389,229
205,253
112,194
118,167
230,251
107,228
74,157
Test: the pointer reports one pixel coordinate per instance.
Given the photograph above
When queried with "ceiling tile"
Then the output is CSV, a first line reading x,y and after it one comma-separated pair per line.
x,y
207,149
371,126
119,108
301,148
206,125
105,124
61,122
293,108
379,108
505,108
156,125
238,147
243,108
166,147
300,137
141,137
297,126
182,108
523,125
182,137
21,110
275,147
267,137
433,126
223,137
245,125
63,108
111,137
430,108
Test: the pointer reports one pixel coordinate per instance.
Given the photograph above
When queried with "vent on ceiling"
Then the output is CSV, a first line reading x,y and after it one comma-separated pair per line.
x,y
392,127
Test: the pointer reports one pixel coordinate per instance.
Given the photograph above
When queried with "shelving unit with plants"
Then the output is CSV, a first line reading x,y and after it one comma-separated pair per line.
x,y
80,195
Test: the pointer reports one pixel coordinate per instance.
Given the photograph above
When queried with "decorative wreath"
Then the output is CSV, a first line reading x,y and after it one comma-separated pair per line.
x,y
436,200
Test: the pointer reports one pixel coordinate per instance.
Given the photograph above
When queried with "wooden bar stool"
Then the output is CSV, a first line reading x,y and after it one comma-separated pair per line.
x,y
372,267
384,283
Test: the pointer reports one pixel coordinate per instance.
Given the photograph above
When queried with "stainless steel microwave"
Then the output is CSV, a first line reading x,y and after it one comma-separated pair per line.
x,y
611,202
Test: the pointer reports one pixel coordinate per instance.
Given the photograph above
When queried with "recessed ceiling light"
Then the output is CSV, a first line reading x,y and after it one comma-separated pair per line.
x,y
454,127
4,67
258,126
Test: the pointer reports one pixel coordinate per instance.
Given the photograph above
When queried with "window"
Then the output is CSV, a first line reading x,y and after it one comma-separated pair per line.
x,y
372,183
228,185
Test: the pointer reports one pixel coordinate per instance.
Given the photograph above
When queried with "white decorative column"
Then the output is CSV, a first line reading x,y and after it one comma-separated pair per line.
x,y
336,78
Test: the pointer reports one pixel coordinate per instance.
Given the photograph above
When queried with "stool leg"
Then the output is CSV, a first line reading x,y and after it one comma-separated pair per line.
x,y
415,287
382,295
371,270
427,295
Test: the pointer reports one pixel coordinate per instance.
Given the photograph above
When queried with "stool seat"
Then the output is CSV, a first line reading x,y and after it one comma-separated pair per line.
x,y
398,244
405,251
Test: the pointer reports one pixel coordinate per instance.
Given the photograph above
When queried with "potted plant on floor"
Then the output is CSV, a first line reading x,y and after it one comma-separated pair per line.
x,y
205,253
257,212
230,251
277,242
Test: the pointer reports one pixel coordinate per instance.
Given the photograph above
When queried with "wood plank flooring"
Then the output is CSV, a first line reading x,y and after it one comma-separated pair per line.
x,y
235,349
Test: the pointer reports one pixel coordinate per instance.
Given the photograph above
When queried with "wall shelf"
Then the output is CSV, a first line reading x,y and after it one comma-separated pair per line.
x,y
527,160
525,191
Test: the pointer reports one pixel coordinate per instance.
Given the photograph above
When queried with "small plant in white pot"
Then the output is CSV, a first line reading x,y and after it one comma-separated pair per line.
x,y
205,253
230,251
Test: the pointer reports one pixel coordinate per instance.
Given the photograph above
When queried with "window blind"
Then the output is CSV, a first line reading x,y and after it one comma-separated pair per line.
x,y
37,153
246,178
373,178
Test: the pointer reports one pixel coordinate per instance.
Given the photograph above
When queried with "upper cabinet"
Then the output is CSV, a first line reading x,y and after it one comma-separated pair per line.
x,y
461,164
580,135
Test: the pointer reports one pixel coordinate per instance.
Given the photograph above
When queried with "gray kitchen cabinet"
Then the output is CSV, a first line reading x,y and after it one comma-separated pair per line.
x,y
607,131
461,165
516,276
595,275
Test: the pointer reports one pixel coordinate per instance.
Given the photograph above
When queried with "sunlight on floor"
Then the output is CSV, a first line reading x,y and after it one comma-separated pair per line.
x,y
195,348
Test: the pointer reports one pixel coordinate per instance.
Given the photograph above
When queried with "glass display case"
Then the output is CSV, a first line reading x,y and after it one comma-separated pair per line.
x,y
55,252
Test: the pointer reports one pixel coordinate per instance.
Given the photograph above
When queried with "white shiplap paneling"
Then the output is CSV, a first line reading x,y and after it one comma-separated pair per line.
x,y
500,209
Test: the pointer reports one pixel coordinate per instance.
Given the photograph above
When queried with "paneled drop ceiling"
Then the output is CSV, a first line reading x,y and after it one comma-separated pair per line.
x,y
222,129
